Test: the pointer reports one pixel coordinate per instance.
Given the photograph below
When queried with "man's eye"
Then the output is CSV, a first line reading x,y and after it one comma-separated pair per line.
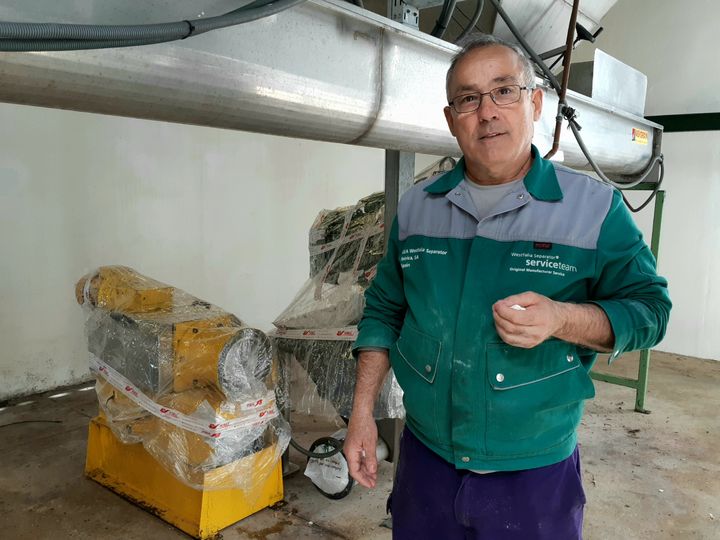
x,y
504,91
470,98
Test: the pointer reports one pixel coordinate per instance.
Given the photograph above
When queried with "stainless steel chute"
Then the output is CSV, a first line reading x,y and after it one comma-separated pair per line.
x,y
324,70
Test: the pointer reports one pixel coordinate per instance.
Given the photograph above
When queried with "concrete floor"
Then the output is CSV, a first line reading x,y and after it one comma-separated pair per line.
x,y
653,476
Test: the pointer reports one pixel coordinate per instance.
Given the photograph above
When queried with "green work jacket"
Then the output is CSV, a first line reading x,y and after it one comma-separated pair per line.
x,y
471,398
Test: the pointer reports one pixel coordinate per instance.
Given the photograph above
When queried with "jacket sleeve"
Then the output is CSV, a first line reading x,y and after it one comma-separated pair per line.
x,y
626,284
385,303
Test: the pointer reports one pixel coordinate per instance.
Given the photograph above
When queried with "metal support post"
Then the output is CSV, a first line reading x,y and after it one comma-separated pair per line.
x,y
644,367
399,177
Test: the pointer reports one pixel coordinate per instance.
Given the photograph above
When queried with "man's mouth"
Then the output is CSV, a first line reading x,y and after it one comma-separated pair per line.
x,y
491,135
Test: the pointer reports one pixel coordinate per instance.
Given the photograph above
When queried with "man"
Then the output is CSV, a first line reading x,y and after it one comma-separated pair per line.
x,y
502,279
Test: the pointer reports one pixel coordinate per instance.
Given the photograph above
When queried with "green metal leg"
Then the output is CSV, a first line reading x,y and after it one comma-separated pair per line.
x,y
643,372
644,367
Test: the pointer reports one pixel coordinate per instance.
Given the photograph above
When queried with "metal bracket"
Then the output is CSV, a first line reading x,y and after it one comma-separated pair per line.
x,y
404,13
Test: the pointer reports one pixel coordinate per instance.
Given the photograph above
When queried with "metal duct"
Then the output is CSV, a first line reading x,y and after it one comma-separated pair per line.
x,y
326,70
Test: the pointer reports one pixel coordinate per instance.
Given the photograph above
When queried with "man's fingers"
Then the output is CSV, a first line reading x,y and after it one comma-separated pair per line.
x,y
370,475
355,466
366,473
510,325
370,462
515,335
353,461
362,463
359,449
524,299
519,318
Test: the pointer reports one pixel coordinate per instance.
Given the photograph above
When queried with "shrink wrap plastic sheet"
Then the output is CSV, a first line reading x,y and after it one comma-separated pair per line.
x,y
328,382
318,328
345,246
186,379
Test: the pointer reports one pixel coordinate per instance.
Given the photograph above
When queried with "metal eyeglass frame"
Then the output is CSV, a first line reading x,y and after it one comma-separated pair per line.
x,y
492,96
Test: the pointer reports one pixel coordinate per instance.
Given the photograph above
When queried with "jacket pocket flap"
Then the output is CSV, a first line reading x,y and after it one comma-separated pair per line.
x,y
511,367
419,351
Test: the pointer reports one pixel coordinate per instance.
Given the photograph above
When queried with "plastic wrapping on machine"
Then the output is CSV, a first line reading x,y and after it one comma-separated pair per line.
x,y
186,379
345,246
329,381
317,328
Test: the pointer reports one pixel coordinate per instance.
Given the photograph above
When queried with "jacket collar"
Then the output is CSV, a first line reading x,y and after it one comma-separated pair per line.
x,y
540,181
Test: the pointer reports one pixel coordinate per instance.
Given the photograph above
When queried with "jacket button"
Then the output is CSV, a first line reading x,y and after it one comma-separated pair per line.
x,y
521,196
428,368
465,459
570,357
499,377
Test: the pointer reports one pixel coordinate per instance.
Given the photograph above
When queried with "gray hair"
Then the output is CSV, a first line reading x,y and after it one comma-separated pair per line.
x,y
480,41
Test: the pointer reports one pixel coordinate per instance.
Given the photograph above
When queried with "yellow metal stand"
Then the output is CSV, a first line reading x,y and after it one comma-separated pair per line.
x,y
128,470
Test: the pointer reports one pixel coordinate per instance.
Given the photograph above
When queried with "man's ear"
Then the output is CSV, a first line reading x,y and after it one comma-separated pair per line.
x,y
537,101
450,120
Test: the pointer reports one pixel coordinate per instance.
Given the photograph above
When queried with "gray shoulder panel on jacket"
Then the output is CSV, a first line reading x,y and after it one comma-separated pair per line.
x,y
432,215
576,220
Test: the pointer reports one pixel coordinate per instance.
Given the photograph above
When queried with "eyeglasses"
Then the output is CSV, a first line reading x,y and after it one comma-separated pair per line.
x,y
502,95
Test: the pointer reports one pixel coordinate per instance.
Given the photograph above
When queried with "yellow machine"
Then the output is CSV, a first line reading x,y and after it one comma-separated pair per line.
x,y
188,428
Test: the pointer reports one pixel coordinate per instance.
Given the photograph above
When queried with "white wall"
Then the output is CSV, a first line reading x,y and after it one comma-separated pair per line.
x,y
221,214
673,44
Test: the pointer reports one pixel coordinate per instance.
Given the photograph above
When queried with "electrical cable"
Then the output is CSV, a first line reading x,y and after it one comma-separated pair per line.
x,y
603,177
16,36
329,441
444,18
651,196
473,21
71,45
174,30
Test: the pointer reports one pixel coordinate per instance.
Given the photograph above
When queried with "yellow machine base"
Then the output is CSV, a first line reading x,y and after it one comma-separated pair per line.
x,y
128,470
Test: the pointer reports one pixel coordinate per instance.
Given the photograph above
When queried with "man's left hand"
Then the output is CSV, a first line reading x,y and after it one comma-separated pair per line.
x,y
540,319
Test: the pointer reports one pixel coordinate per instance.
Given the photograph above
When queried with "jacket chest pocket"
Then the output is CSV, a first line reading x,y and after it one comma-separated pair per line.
x,y
536,395
415,359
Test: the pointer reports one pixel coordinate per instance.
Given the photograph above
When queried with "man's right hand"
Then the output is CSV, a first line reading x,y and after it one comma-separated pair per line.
x,y
362,435
359,449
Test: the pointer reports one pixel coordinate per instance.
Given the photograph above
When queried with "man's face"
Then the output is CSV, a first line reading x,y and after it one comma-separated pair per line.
x,y
494,137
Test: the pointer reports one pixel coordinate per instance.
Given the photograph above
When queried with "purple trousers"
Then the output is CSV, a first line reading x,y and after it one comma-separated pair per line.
x,y
433,500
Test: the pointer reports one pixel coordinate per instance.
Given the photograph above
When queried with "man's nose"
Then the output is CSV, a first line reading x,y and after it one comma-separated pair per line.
x,y
487,110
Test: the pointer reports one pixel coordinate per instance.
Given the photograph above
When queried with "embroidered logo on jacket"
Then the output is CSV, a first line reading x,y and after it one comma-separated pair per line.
x,y
410,255
540,263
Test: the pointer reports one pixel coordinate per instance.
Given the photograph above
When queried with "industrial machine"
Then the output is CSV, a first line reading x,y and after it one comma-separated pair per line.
x,y
188,427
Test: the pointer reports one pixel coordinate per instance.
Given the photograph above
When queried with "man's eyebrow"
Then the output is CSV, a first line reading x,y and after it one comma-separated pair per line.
x,y
505,78
474,88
